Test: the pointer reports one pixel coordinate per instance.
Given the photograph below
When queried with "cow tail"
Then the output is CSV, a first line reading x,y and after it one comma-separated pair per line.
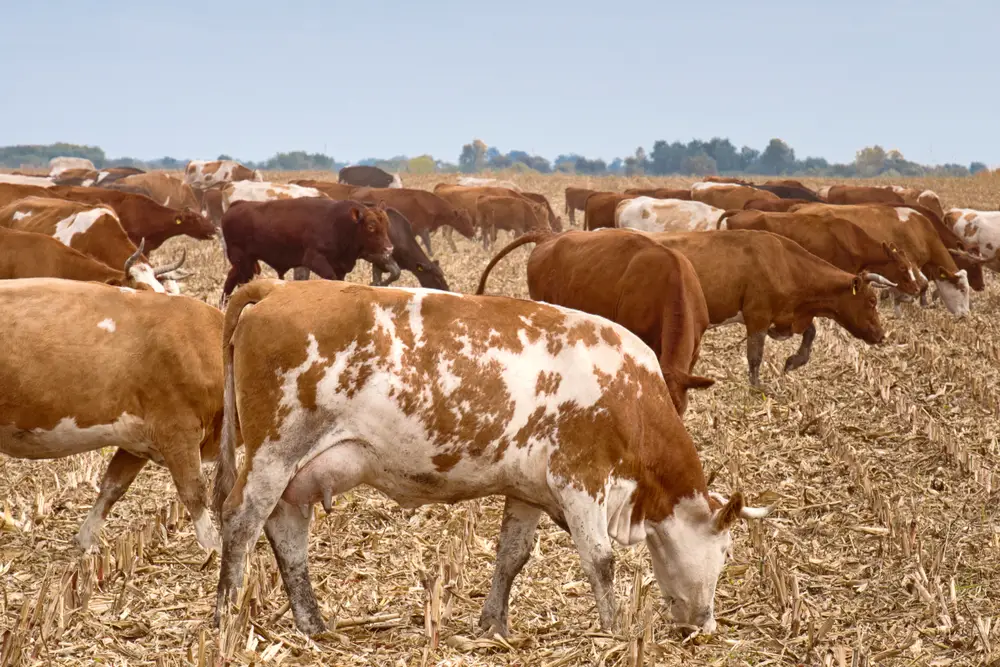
x,y
534,237
727,214
225,467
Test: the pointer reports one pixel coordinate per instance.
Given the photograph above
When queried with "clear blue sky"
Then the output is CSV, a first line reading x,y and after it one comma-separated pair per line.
x,y
370,78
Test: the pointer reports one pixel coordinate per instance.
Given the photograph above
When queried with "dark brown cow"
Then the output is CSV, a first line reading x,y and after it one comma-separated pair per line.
x,y
661,193
600,211
325,236
426,211
576,200
775,287
368,177
409,256
839,242
609,274
790,190
337,191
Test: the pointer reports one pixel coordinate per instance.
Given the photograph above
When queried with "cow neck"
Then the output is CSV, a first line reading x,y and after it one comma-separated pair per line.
x,y
665,470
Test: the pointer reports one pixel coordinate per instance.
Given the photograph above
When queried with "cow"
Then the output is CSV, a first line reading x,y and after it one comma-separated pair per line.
x,y
368,177
727,180
81,177
555,222
109,175
774,205
466,196
141,217
789,190
426,211
576,200
914,234
980,229
264,191
601,207
89,366
409,256
661,193
31,255
862,194
325,236
508,213
839,242
775,287
727,196
21,179
57,165
203,174
473,182
93,230
916,197
332,190
164,189
11,192
609,274
436,397
647,214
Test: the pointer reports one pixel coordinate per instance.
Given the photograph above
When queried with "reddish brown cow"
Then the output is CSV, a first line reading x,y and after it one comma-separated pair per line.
x,y
508,213
576,200
600,211
325,236
862,194
609,274
773,205
426,211
164,189
776,288
555,222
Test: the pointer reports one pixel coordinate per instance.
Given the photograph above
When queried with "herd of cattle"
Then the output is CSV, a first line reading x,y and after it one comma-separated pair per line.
x,y
568,404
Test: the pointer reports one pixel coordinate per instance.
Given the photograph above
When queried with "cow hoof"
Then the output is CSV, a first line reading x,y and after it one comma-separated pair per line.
x,y
793,363
86,544
490,628
313,627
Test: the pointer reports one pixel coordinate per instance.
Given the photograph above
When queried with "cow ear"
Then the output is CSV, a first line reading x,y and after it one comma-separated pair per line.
x,y
356,214
381,205
729,512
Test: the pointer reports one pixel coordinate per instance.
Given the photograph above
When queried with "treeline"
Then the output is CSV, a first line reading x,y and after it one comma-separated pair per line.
x,y
695,158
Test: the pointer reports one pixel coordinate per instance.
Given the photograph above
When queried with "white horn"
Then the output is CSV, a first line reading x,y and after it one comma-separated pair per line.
x,y
878,280
756,512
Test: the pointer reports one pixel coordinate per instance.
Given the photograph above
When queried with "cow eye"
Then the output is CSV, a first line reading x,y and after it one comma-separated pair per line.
x,y
420,267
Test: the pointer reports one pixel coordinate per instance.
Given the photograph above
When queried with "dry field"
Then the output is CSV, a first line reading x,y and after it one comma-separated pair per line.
x,y
884,548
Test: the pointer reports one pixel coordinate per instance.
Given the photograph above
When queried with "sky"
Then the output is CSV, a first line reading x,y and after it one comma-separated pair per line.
x,y
372,78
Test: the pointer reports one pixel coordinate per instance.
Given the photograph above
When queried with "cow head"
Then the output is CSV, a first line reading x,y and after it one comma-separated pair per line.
x,y
954,290
373,235
462,222
140,275
430,275
194,224
856,307
689,548
902,271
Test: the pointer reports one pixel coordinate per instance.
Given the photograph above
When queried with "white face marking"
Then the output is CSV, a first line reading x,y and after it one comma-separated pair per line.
x,y
688,556
107,324
87,183
143,273
956,299
79,223
20,215
101,175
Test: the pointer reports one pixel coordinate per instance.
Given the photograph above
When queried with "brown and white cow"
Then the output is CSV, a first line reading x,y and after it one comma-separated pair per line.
x,y
727,196
338,191
206,173
366,176
474,182
434,397
88,366
21,179
57,165
164,189
916,197
979,229
264,191
576,200
630,279
647,214
93,230
82,177
775,287
324,236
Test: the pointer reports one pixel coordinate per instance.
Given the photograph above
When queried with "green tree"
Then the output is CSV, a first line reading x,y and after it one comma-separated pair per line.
x,y
871,161
777,158
473,157
977,167
699,165
423,164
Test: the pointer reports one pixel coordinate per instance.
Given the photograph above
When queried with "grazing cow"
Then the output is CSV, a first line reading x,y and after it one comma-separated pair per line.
x,y
109,175
576,200
81,177
365,176
465,197
473,182
213,204
434,397
409,256
89,366
93,230
11,192
727,180
426,211
839,242
914,234
647,214
555,222
661,193
203,174
773,205
861,194
509,213
327,237
21,179
601,207
57,165
925,198
337,191
727,196
164,189
775,287
31,255
789,190
979,229
141,217
630,279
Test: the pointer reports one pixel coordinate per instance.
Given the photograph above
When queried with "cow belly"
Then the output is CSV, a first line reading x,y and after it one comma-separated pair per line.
x,y
67,438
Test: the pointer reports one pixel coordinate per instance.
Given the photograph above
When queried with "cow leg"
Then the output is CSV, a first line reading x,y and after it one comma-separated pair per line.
x,y
182,457
234,278
121,472
590,536
801,356
517,534
755,355
376,276
300,273
425,236
287,530
449,236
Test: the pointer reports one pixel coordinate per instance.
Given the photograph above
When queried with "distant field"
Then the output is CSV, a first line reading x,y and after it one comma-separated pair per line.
x,y
885,547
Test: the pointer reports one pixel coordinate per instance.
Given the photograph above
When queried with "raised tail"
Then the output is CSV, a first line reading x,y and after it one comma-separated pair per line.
x,y
534,237
225,467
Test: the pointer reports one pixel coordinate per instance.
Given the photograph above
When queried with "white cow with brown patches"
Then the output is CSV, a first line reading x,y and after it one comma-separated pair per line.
x,y
647,214
88,366
435,397
57,165
978,229
265,191
21,179
206,173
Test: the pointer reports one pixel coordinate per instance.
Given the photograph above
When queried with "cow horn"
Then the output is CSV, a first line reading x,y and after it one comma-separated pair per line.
x,y
968,255
130,262
881,281
163,270
756,512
